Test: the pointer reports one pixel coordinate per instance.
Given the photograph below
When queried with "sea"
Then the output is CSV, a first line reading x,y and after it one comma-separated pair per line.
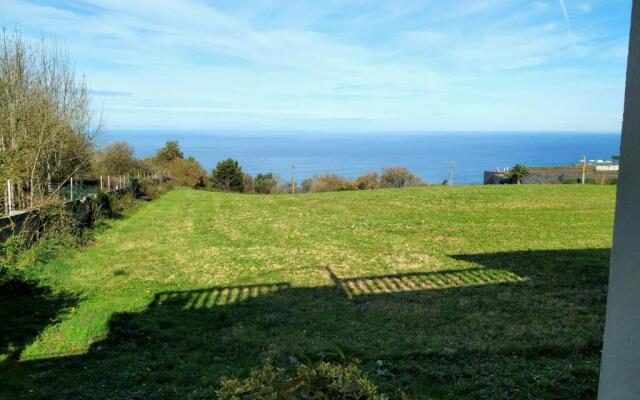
x,y
431,155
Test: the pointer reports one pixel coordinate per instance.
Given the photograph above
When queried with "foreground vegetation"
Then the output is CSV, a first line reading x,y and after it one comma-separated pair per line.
x,y
442,292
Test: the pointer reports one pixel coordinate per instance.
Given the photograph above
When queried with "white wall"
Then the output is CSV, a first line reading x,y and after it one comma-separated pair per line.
x,y
620,370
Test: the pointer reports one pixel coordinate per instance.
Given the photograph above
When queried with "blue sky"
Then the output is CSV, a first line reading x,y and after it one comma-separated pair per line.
x,y
432,65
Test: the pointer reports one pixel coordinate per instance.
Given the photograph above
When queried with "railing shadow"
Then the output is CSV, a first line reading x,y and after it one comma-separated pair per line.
x,y
507,315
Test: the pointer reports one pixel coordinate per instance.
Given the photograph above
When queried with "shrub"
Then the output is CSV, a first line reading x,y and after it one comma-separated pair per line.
x,y
149,190
266,183
321,381
398,177
249,186
228,176
331,183
287,187
369,180
187,172
306,185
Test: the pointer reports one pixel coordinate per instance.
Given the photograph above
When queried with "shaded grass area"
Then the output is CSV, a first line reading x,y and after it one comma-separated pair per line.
x,y
474,292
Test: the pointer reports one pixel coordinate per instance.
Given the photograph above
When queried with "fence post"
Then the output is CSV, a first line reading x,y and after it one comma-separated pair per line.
x,y
101,182
109,183
9,198
72,188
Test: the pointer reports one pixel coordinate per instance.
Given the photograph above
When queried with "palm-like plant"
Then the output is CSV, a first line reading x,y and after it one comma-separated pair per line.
x,y
518,172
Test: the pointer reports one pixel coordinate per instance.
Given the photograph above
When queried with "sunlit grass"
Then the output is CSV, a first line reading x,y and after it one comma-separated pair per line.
x,y
214,279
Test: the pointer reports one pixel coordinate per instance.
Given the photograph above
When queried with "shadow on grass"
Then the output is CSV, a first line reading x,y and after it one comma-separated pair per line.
x,y
26,309
510,325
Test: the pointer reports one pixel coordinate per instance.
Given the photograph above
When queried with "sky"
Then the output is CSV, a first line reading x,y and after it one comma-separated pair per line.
x,y
383,65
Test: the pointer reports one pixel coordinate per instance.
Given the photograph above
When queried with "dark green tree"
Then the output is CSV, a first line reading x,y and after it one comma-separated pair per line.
x,y
169,152
518,173
228,176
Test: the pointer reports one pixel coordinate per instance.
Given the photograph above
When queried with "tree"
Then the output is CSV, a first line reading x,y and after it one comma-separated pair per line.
x,y
369,180
169,152
249,186
266,183
187,172
228,176
306,185
116,159
398,177
47,125
518,173
331,183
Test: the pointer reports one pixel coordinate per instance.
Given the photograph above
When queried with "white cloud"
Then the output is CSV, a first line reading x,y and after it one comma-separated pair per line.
x,y
414,64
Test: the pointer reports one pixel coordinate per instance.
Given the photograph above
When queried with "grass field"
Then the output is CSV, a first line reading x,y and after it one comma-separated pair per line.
x,y
441,292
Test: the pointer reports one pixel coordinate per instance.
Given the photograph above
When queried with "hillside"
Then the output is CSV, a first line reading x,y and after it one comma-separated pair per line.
x,y
448,292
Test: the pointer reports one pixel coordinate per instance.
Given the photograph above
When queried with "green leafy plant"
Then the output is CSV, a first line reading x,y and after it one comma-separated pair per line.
x,y
518,173
321,381
266,183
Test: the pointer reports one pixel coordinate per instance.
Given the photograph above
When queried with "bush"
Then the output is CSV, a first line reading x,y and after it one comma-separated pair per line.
x,y
322,381
369,180
150,190
330,183
266,183
398,177
306,185
228,176
187,172
249,186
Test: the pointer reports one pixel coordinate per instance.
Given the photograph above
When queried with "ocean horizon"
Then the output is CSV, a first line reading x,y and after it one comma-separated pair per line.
x,y
427,154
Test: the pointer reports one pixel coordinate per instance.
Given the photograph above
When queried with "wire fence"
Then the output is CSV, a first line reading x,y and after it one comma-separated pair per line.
x,y
75,188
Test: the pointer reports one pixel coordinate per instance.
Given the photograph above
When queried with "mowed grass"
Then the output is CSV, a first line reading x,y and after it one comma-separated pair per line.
x,y
440,292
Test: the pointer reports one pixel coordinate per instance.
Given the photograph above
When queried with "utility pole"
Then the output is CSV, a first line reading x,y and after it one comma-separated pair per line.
x,y
452,170
293,179
584,168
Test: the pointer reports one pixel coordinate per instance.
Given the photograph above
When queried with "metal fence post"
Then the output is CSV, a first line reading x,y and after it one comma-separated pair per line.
x,y
71,188
9,198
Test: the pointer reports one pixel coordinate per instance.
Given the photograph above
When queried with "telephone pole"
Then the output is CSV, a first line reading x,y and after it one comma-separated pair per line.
x,y
293,179
584,168
452,170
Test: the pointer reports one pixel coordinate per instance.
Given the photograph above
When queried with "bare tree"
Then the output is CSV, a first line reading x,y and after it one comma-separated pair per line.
x,y
47,126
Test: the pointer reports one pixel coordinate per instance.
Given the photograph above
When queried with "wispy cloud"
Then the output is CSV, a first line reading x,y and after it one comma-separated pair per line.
x,y
469,64
566,14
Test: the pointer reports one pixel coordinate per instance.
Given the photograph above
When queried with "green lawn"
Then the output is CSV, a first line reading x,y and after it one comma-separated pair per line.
x,y
441,292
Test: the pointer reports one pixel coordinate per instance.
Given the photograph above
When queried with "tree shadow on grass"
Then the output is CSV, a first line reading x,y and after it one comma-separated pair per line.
x,y
26,309
510,325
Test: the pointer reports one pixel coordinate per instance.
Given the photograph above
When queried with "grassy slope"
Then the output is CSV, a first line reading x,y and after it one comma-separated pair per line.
x,y
504,295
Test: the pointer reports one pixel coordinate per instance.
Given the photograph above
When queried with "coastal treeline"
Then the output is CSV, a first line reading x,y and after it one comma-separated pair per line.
x,y
229,176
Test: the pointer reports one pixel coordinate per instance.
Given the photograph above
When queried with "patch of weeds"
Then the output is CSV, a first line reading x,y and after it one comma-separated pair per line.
x,y
321,380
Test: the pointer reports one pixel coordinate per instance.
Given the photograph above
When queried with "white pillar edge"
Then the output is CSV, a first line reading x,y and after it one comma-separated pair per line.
x,y
620,368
